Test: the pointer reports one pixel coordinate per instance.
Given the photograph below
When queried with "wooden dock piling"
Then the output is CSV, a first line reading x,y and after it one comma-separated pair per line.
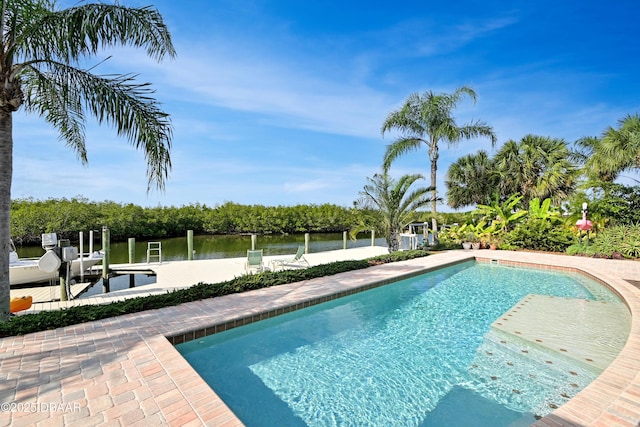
x,y
190,245
106,248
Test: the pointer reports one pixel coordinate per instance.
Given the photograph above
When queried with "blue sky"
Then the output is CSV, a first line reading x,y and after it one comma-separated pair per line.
x,y
281,102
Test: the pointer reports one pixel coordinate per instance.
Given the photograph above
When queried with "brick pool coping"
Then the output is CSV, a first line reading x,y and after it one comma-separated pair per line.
x,y
125,370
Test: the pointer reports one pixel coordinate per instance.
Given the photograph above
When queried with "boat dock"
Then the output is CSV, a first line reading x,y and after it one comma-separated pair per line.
x,y
172,275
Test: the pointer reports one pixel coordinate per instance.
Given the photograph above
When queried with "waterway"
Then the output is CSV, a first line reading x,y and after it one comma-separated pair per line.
x,y
206,247
216,246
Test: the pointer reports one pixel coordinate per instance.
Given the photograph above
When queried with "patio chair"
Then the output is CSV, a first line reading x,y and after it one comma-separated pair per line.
x,y
298,260
254,261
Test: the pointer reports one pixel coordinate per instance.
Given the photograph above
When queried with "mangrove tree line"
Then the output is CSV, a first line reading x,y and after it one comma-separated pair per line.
x,y
30,218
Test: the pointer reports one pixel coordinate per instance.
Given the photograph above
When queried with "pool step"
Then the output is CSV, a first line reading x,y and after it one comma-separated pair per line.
x,y
588,332
511,372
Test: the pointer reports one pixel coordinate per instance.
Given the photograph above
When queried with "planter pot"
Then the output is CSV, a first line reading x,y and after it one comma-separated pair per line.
x,y
466,245
475,245
493,246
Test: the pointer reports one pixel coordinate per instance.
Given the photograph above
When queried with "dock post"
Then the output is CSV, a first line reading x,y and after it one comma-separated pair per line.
x,y
132,249
81,257
106,248
63,272
306,243
254,238
373,237
63,283
344,240
190,245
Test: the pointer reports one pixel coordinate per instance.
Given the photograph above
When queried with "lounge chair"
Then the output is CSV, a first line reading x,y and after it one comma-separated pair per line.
x,y
298,260
254,261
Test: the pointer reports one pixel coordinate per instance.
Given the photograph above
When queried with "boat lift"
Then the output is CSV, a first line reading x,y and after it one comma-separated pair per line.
x,y
416,236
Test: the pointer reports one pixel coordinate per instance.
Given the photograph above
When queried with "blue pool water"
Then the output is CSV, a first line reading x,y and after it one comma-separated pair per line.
x,y
413,353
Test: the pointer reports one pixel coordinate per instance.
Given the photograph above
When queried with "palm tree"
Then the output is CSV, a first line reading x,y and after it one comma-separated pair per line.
x,y
508,168
587,154
619,149
426,119
40,55
536,166
393,206
471,180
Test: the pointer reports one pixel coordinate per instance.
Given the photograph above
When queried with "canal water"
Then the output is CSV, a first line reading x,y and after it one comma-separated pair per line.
x,y
207,247
215,247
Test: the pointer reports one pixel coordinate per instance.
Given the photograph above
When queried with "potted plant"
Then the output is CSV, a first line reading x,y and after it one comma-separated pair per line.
x,y
469,240
494,242
487,235
475,244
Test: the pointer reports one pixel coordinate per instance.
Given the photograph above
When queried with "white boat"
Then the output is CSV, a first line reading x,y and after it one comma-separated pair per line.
x,y
27,270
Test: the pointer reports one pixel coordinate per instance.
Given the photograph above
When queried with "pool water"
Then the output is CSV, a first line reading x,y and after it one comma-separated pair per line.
x,y
418,352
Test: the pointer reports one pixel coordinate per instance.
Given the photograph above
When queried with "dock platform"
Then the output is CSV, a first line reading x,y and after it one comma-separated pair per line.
x,y
174,275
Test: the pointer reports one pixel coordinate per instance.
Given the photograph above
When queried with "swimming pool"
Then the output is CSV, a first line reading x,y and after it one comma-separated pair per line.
x,y
417,352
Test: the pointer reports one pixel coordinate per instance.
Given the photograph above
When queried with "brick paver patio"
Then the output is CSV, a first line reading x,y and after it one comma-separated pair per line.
x,y
125,370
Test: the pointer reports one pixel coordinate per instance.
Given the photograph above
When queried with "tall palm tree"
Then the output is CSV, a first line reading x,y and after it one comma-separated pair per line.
x,y
471,180
587,155
619,149
40,55
536,166
426,119
393,206
508,167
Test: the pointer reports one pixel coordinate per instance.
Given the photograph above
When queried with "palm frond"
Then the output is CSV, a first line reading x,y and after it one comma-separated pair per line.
x,y
63,93
59,104
83,30
398,148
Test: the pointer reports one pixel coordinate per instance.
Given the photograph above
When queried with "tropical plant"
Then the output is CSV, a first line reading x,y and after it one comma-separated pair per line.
x,y
43,51
480,232
619,203
609,204
542,210
536,167
540,234
471,180
393,204
608,242
541,228
503,214
613,242
426,119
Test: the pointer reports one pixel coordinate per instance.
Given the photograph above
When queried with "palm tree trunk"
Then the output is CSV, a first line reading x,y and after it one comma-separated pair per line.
x,y
6,162
434,195
392,241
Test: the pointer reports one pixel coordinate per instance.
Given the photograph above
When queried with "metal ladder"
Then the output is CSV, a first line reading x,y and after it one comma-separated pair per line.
x,y
154,250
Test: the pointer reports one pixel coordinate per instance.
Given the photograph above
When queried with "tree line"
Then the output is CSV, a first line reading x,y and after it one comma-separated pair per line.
x,y
30,218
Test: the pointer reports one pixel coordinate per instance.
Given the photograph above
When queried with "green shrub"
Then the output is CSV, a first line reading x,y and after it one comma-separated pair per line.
x,y
580,249
541,235
20,325
443,246
399,256
618,241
